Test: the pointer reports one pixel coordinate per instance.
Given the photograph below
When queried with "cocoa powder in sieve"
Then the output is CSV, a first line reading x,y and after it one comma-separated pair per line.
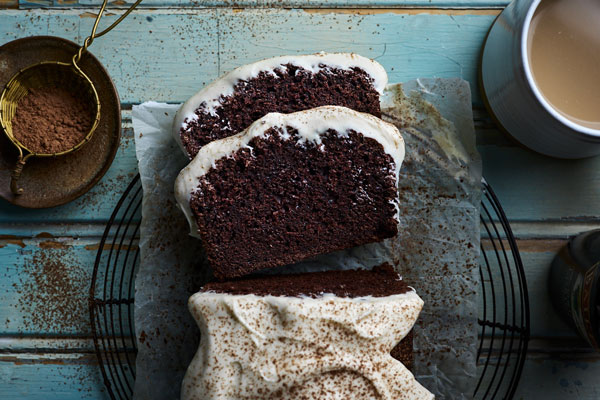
x,y
51,120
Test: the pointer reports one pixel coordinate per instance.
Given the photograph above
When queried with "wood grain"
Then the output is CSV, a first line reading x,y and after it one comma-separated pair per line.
x,y
29,306
59,376
50,377
45,285
9,4
168,54
169,49
532,187
438,4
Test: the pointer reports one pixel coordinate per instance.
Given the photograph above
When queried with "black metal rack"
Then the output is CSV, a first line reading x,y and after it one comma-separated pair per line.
x,y
504,312
503,319
112,294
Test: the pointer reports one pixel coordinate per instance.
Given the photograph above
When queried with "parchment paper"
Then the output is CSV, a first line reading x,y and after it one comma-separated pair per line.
x,y
436,250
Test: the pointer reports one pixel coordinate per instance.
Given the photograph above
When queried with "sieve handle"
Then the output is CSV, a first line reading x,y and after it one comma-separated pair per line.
x,y
16,174
90,39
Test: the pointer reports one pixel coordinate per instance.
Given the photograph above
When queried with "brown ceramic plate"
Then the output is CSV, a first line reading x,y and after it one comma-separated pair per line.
x,y
49,182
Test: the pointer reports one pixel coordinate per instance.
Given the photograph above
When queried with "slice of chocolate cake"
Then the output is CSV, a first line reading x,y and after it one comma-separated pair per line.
x,y
324,335
281,84
293,186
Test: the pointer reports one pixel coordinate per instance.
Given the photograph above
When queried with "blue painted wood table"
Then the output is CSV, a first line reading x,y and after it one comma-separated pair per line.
x,y
168,49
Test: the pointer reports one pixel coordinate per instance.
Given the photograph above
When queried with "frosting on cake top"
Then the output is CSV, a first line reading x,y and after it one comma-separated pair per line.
x,y
326,348
212,94
309,124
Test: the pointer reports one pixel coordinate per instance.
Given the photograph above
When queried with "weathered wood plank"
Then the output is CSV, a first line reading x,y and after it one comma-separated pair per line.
x,y
552,230
9,4
534,187
547,374
162,55
406,45
523,200
77,376
168,54
71,229
45,286
50,376
45,344
45,283
560,377
539,348
447,4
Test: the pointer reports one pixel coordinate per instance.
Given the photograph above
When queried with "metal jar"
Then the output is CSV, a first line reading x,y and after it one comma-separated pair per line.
x,y
575,285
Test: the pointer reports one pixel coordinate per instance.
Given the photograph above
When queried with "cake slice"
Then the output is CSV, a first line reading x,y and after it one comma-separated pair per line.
x,y
293,186
281,84
324,335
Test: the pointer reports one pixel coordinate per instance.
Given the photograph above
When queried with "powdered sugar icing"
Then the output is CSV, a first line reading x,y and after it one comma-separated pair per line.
x,y
259,347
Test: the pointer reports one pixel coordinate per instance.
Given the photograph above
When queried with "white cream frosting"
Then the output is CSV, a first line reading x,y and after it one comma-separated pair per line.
x,y
224,86
326,348
310,124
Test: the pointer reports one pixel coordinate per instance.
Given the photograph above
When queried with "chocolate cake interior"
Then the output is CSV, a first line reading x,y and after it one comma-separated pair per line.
x,y
272,203
381,281
283,90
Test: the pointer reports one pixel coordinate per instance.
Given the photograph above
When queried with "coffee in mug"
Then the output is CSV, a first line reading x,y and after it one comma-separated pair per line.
x,y
564,57
540,75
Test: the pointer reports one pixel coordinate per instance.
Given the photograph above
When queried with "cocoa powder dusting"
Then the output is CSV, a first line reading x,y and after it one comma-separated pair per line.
x,y
52,292
51,120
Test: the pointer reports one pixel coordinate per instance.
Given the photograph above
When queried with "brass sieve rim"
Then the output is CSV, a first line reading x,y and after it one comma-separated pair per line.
x,y
18,82
7,124
46,184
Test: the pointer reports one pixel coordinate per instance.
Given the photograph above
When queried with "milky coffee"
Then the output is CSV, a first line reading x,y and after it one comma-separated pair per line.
x,y
564,57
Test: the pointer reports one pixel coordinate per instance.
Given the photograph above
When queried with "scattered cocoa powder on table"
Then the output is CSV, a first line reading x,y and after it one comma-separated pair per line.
x,y
51,120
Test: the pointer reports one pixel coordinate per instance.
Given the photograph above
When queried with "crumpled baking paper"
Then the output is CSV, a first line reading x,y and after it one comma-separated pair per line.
x,y
436,251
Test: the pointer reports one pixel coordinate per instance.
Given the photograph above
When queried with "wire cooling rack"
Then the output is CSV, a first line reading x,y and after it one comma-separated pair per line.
x,y
504,308
112,293
503,315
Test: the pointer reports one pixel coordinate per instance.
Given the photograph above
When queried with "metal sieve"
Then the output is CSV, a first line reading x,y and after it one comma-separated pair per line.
x,y
52,74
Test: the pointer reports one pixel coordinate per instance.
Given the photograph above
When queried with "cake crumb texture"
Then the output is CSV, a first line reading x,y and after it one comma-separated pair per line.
x,y
280,200
286,89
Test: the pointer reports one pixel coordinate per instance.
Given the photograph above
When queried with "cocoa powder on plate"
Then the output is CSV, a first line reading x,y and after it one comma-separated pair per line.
x,y
51,120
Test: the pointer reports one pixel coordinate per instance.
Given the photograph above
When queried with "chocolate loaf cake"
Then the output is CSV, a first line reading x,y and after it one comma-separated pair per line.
x,y
293,186
282,84
380,282
324,335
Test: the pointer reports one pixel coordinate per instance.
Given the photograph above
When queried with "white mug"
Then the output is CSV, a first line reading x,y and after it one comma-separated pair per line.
x,y
513,98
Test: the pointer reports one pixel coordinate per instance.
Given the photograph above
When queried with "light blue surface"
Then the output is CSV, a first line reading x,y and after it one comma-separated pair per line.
x,y
169,52
277,3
